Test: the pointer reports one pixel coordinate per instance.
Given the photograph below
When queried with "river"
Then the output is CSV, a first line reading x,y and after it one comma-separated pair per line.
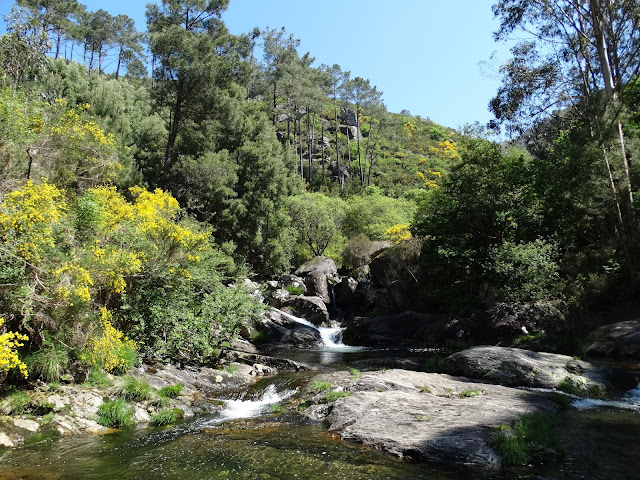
x,y
256,436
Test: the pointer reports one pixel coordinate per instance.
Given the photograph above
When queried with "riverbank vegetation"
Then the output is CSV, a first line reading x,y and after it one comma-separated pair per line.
x,y
133,205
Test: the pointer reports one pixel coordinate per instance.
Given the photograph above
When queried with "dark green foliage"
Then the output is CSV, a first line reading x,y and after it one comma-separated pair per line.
x,y
115,414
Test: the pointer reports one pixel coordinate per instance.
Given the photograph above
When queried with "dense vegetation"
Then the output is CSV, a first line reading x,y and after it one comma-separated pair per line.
x,y
131,205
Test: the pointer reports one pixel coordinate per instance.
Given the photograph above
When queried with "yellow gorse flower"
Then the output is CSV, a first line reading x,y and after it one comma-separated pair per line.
x,y
109,349
9,359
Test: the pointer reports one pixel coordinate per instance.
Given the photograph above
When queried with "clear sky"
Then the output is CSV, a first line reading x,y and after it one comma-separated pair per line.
x,y
424,55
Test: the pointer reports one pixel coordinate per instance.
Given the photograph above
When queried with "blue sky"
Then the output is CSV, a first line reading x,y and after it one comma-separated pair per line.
x,y
424,55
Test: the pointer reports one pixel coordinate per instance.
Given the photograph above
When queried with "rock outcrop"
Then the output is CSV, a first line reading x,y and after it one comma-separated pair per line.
x,y
523,368
324,264
421,416
620,340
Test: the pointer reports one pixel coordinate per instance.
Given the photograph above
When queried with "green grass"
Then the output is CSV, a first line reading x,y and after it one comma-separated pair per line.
x,y
523,339
159,401
167,416
531,435
567,386
276,408
171,391
133,389
115,414
321,386
98,378
15,403
48,364
470,393
355,373
333,396
294,290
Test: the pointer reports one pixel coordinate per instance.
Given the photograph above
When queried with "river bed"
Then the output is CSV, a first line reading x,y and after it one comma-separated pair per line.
x,y
255,436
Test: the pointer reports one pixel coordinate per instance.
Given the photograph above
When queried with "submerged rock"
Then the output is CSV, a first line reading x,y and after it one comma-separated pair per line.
x,y
422,416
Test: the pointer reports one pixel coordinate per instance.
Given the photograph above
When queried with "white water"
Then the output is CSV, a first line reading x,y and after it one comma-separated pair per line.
x,y
331,337
630,401
252,408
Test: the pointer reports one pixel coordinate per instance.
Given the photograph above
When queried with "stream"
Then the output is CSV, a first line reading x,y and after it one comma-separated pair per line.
x,y
254,436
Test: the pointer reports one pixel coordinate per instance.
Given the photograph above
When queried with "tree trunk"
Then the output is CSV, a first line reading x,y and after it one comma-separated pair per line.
x,y
335,112
358,143
174,127
322,146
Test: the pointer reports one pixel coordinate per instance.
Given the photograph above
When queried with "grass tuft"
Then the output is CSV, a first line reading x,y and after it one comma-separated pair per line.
x,y
167,416
132,389
115,414
171,391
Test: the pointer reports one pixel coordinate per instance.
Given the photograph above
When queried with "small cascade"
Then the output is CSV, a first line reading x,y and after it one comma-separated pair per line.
x,y
331,336
253,408
629,401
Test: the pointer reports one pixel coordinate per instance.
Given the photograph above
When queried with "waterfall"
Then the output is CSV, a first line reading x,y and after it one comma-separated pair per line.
x,y
252,408
331,337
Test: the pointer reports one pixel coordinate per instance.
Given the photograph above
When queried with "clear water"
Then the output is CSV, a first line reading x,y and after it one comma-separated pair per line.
x,y
247,440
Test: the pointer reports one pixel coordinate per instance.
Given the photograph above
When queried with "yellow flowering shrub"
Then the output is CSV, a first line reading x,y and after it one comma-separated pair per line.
x,y
9,359
430,179
111,349
74,283
398,233
83,151
446,149
28,216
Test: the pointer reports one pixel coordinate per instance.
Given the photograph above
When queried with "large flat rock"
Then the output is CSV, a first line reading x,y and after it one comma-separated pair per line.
x,y
523,368
424,416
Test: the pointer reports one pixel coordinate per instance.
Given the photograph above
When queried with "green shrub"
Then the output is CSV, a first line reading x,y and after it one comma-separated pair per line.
x,y
171,391
132,389
115,414
524,271
167,416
